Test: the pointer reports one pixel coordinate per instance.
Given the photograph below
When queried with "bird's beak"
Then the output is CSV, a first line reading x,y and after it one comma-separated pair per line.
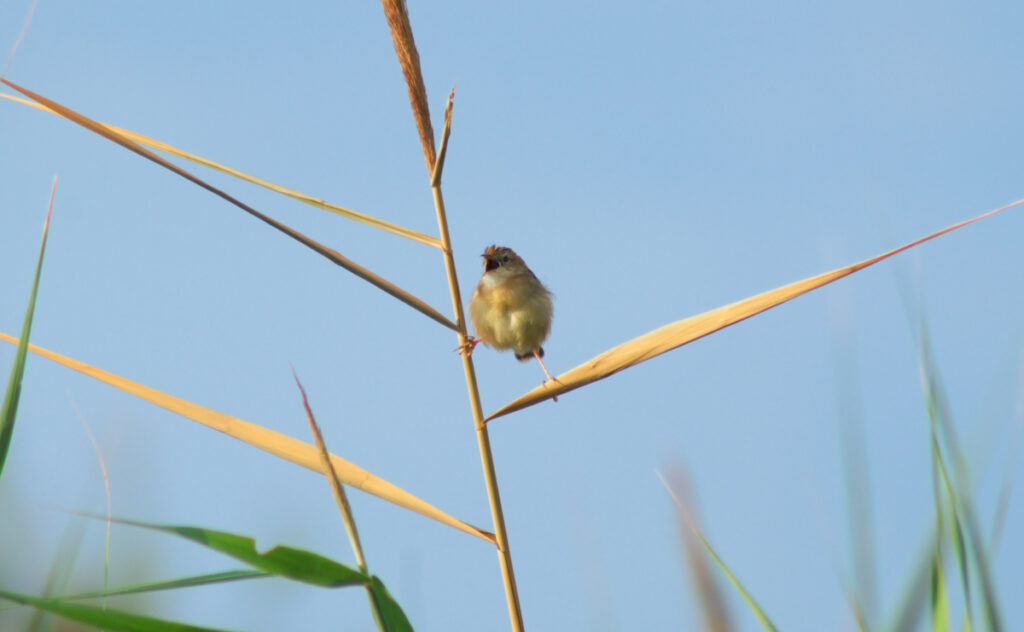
x,y
490,263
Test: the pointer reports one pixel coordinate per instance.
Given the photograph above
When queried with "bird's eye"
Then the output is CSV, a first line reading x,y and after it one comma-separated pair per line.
x,y
504,259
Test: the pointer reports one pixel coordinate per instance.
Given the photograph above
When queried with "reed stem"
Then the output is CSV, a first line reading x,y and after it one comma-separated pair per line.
x,y
483,439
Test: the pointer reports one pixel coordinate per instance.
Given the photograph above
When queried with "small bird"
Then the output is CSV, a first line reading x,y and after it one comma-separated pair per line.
x,y
510,308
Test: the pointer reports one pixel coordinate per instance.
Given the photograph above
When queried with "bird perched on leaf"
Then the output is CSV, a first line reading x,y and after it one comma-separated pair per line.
x,y
510,308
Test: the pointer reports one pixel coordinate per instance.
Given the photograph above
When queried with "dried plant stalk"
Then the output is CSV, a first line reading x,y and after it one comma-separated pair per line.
x,y
401,33
482,436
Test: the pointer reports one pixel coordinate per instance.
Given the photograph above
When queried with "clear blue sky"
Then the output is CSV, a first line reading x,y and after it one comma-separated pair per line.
x,y
649,160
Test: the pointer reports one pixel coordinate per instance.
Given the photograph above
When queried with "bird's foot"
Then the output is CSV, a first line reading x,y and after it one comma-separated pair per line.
x,y
554,398
467,346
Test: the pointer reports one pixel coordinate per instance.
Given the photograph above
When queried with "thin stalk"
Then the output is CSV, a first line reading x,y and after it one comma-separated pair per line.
x,y
482,437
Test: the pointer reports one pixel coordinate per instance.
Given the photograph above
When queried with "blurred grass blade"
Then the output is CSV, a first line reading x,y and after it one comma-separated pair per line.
x,y
276,443
971,551
409,59
369,220
61,567
939,600
184,582
959,545
9,408
284,561
687,518
330,254
674,335
860,523
917,591
21,36
392,619
111,620
709,597
761,615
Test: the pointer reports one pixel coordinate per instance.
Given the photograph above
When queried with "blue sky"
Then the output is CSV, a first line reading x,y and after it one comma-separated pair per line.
x,y
649,161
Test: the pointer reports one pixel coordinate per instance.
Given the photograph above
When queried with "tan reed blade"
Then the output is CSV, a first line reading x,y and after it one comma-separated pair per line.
x,y
329,253
271,441
369,220
677,334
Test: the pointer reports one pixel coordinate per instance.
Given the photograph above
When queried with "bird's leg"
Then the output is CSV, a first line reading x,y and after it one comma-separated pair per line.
x,y
550,379
467,346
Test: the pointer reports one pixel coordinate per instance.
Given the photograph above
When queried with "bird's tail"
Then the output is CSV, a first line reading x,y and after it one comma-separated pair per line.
x,y
528,356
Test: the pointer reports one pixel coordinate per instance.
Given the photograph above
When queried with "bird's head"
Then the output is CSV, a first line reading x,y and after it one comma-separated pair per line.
x,y
502,258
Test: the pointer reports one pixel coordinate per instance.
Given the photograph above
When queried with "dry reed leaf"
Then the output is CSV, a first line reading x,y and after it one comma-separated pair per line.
x,y
369,220
337,488
329,253
435,178
409,59
679,333
271,441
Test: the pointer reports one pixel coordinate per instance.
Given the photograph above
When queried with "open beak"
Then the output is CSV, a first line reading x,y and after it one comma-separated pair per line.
x,y
490,263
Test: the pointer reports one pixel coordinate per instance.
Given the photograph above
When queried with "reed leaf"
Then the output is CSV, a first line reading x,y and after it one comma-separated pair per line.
x,y
276,443
291,563
337,489
369,220
284,561
172,584
679,333
9,408
106,619
329,253
392,618
341,499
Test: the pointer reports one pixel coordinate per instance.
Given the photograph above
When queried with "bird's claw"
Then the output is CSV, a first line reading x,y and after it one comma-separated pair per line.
x,y
467,346
556,381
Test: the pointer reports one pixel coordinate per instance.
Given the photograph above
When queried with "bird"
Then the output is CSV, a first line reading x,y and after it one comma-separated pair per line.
x,y
510,308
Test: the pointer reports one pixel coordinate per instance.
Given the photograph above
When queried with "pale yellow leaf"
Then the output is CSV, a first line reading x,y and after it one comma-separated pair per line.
x,y
329,253
276,443
292,193
673,335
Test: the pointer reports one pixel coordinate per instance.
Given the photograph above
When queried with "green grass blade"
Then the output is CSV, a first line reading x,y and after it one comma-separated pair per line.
x,y
61,566
759,612
939,599
285,561
916,592
392,619
112,620
185,582
971,552
9,408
